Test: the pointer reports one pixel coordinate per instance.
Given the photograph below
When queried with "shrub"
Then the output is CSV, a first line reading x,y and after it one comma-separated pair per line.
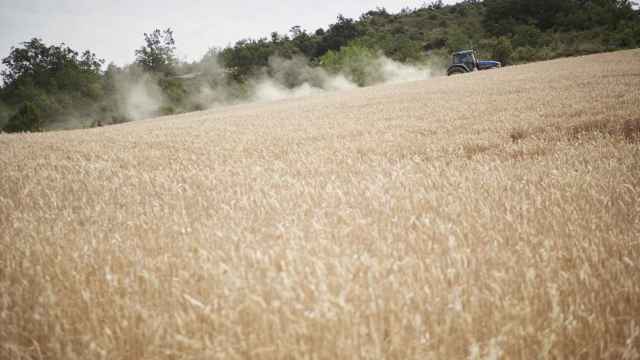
x,y
457,40
4,115
173,89
356,62
624,38
545,53
404,49
502,51
167,110
26,119
527,36
525,54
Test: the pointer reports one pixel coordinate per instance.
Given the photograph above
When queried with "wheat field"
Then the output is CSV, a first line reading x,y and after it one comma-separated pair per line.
x,y
483,216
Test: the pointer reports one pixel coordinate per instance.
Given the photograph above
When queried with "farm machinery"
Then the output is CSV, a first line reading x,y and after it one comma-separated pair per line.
x,y
466,61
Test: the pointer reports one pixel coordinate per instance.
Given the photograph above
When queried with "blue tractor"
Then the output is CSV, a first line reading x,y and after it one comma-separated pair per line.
x,y
466,61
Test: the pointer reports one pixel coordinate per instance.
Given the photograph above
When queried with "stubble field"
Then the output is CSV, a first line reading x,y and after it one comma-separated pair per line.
x,y
489,215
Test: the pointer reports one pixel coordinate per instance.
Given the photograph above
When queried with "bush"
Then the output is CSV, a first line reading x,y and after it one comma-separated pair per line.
x,y
527,36
457,40
173,89
167,110
4,114
502,51
26,119
358,63
404,49
545,53
485,48
525,54
624,38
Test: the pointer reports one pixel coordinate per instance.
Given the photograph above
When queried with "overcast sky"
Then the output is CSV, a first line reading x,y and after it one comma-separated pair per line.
x,y
114,29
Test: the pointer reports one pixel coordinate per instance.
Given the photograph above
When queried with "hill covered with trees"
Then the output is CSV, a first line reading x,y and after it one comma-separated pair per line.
x,y
54,86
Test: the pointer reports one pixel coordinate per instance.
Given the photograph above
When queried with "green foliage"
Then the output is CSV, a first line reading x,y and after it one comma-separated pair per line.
x,y
338,35
305,43
626,36
25,120
56,67
158,53
404,49
46,85
525,54
56,81
457,40
527,36
247,57
358,63
503,50
502,17
5,113
174,90
167,110
436,5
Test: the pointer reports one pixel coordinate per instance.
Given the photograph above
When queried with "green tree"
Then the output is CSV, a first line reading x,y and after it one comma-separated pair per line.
x,y
404,49
338,35
26,119
4,112
56,67
502,16
358,63
158,53
435,5
55,80
457,40
304,42
502,51
246,57
527,35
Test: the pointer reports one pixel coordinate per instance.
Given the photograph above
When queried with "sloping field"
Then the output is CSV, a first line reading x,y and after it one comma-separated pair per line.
x,y
494,214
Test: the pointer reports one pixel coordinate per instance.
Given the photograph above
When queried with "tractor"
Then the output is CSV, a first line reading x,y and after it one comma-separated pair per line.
x,y
466,61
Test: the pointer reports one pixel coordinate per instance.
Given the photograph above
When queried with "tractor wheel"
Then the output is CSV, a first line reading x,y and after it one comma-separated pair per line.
x,y
455,71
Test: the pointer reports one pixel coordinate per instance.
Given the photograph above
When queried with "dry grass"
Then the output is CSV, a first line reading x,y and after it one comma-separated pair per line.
x,y
628,129
396,222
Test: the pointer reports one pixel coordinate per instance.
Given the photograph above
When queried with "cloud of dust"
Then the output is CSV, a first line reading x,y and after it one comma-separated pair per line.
x,y
136,96
210,85
396,72
292,78
141,98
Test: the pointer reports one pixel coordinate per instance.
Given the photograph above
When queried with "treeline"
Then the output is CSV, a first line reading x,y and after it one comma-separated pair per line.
x,y
54,86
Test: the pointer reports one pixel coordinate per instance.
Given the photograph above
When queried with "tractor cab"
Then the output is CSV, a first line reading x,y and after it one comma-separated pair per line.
x,y
466,61
466,58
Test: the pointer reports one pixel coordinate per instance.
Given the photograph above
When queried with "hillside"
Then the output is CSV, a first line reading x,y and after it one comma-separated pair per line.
x,y
46,86
492,214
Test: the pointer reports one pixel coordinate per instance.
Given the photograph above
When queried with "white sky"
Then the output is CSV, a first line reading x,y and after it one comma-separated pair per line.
x,y
114,29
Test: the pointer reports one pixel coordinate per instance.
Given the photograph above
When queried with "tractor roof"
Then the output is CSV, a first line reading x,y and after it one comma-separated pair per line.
x,y
463,52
